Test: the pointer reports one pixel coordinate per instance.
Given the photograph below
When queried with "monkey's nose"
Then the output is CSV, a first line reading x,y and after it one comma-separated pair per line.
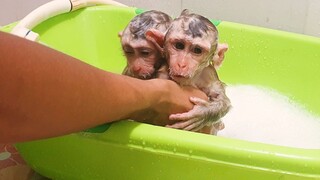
x,y
136,68
182,66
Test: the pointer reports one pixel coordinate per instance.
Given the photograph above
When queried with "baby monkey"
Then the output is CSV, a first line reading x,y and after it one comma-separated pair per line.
x,y
145,56
193,54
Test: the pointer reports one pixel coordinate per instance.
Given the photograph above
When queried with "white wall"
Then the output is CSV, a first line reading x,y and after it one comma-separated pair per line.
x,y
299,16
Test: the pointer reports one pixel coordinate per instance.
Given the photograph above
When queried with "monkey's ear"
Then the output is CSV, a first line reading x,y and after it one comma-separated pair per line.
x,y
120,34
219,56
156,37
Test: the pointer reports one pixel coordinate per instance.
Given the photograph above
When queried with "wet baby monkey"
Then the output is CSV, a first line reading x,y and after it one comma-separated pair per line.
x,y
145,56
193,54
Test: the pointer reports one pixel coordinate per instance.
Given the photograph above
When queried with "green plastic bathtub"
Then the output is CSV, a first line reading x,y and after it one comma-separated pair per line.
x,y
286,62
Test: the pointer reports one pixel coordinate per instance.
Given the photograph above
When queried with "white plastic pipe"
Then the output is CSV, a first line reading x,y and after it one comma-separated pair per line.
x,y
51,9
78,4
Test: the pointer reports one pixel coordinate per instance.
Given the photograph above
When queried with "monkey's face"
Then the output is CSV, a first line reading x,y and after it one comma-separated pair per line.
x,y
186,56
190,44
143,58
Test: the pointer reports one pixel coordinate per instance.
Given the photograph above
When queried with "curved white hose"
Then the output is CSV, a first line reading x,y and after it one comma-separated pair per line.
x,y
51,9
78,4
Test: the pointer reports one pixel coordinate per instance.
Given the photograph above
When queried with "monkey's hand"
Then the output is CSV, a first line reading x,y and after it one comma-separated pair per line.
x,y
203,113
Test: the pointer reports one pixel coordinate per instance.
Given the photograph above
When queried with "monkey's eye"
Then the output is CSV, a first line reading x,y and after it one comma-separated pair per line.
x,y
179,45
197,50
145,53
128,53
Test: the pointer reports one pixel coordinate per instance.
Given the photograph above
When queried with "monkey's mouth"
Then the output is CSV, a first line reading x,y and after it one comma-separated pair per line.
x,y
179,78
144,75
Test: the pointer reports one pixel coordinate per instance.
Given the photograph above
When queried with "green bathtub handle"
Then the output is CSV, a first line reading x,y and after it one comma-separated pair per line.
x,y
139,11
99,129
215,22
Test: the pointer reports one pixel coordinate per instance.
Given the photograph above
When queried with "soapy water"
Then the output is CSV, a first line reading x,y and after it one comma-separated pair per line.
x,y
263,115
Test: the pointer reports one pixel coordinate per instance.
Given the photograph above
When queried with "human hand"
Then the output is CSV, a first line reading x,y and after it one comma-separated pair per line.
x,y
195,119
172,99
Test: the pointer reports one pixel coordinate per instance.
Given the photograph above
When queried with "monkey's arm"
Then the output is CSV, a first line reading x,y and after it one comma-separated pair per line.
x,y
46,93
205,112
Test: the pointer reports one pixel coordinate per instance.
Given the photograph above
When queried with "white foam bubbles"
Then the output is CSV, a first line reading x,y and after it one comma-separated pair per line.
x,y
263,115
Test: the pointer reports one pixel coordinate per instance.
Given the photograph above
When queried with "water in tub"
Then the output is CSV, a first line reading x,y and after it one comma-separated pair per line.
x,y
263,115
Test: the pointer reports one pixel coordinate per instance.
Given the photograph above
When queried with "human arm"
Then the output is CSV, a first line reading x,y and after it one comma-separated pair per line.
x,y
45,93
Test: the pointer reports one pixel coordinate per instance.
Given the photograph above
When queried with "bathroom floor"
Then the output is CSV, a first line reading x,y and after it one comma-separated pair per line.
x,y
13,167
